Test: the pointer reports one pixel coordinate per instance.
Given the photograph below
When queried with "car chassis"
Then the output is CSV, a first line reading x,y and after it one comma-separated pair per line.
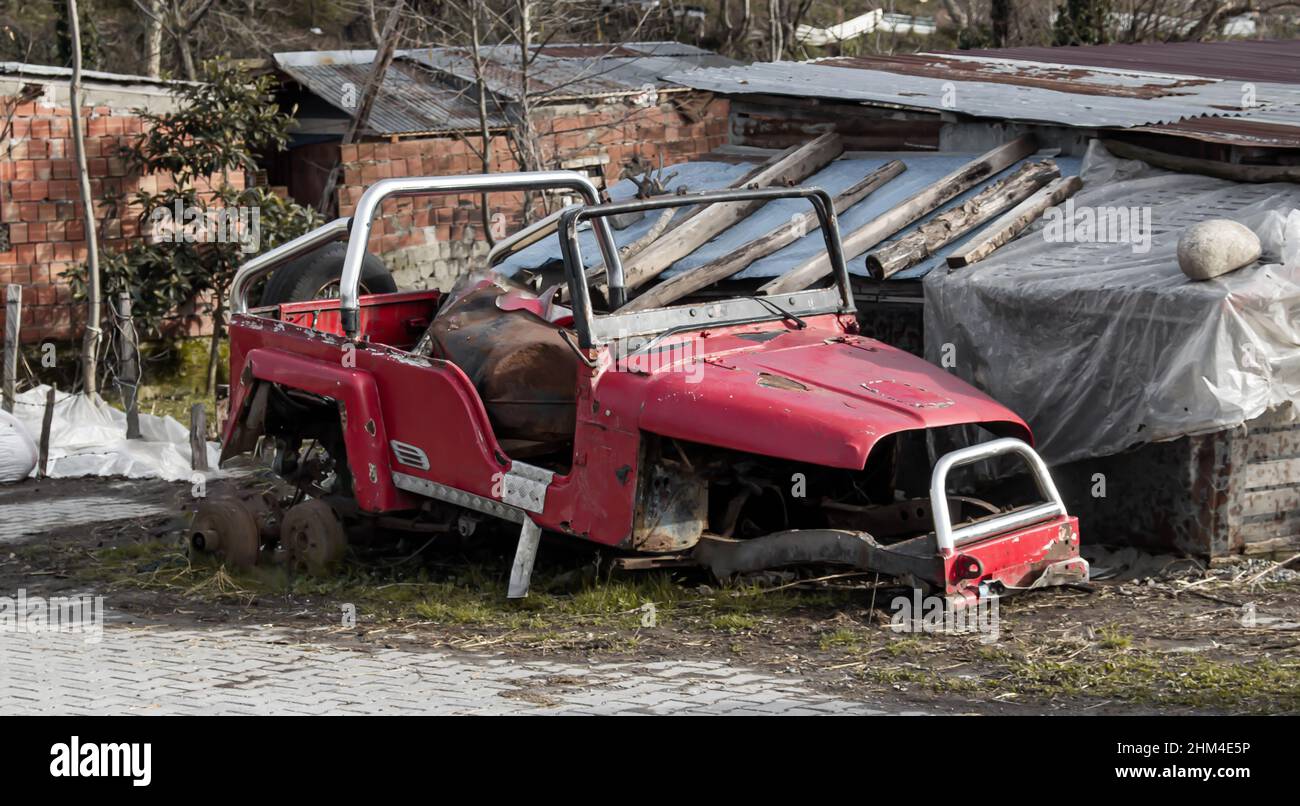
x,y
660,463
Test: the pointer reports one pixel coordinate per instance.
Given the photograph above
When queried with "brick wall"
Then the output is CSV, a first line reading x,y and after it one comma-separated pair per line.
x,y
429,241
40,207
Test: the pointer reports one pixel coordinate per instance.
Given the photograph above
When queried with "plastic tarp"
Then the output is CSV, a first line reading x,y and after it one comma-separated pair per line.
x,y
17,449
922,171
1104,346
89,439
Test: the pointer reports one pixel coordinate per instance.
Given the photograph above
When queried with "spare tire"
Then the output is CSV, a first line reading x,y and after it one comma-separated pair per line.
x,y
316,276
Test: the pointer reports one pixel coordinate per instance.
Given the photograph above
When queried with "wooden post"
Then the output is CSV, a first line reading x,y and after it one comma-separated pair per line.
x,y
90,343
46,422
688,282
374,80
905,213
128,375
198,438
13,322
1015,221
951,224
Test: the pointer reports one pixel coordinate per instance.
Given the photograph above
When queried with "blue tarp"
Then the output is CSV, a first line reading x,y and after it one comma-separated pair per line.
x,y
922,170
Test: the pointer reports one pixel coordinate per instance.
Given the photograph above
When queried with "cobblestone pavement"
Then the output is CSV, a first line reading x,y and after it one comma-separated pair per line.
x,y
39,514
169,670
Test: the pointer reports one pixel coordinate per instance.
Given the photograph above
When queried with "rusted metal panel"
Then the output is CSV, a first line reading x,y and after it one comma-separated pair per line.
x,y
1243,60
1075,80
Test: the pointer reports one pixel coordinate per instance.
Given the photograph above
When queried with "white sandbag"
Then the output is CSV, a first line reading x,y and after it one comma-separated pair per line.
x,y
88,438
17,449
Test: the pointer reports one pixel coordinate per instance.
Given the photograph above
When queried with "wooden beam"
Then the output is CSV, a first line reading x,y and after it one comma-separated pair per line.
x,y
1015,221
1220,170
698,230
47,422
198,438
369,91
681,215
13,325
669,291
906,212
951,224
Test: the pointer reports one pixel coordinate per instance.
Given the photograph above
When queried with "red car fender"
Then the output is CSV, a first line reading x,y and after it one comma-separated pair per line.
x,y
362,419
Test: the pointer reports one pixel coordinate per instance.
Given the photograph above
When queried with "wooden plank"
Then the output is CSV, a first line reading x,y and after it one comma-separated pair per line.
x,y
701,228
1273,548
1272,473
47,421
13,325
1220,170
1015,221
1282,444
917,206
951,224
198,438
769,121
671,290
596,275
1270,502
1269,529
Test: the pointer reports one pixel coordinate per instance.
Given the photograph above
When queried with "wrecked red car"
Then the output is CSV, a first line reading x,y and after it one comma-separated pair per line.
x,y
740,434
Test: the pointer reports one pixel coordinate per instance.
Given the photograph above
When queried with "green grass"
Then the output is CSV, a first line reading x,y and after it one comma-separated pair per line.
x,y
466,594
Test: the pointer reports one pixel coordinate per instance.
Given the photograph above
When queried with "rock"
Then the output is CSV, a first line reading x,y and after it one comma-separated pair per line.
x,y
1218,246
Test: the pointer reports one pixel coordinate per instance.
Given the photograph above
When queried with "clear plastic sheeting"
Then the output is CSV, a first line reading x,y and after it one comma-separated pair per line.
x,y
1104,346
89,439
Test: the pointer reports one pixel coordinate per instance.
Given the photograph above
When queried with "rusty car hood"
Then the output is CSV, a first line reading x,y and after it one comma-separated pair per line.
x,y
810,395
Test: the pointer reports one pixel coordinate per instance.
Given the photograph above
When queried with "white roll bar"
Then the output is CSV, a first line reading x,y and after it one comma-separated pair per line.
x,y
948,538
368,207
375,195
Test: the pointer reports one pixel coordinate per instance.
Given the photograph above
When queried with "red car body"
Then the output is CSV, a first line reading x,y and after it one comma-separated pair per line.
x,y
807,390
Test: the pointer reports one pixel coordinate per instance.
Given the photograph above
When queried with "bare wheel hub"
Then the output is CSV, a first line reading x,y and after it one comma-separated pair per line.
x,y
226,528
312,537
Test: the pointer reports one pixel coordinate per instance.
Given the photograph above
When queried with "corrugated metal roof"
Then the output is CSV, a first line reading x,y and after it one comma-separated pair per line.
x,y
998,88
45,72
413,100
410,101
923,169
1265,75
1273,61
562,72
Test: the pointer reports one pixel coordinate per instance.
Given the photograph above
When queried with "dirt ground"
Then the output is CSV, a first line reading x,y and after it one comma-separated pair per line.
x,y
1163,635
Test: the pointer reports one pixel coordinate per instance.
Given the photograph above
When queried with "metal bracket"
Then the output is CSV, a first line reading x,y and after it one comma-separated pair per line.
x,y
441,492
521,573
524,486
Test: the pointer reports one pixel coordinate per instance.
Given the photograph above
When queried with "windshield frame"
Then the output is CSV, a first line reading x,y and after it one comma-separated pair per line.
x,y
594,330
